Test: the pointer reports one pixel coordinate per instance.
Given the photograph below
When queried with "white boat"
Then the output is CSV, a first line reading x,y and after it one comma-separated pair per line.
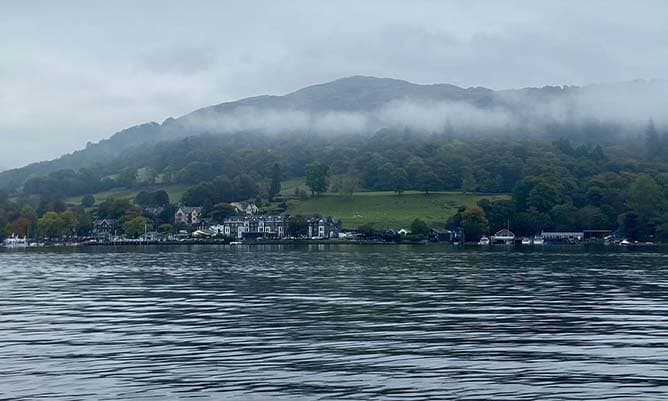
x,y
483,241
236,243
14,241
625,242
526,241
538,240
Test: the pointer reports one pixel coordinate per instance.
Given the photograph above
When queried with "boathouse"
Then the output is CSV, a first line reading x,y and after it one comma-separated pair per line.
x,y
504,236
563,236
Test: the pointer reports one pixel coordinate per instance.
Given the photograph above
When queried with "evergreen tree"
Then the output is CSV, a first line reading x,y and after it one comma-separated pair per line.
x,y
652,141
275,187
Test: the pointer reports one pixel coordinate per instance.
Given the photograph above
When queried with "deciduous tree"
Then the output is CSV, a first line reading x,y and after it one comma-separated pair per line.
x,y
427,182
50,225
399,180
297,226
474,222
136,226
317,177
419,228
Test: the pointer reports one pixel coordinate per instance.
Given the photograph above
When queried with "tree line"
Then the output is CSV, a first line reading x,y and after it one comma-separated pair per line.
x,y
554,185
390,160
635,205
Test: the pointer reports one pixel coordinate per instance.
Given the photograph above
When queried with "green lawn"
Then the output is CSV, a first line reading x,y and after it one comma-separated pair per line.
x,y
288,186
382,209
387,210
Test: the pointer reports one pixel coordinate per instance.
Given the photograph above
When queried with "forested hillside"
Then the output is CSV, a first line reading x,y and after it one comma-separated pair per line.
x,y
554,185
362,106
582,170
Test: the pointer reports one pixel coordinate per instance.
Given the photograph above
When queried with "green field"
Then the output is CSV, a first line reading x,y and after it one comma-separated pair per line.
x,y
386,209
288,186
381,209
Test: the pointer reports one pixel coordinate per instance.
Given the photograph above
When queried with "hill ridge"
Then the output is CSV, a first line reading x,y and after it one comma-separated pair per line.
x,y
355,94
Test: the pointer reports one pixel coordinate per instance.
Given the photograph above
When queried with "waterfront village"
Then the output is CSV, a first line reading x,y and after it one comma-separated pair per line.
x,y
248,226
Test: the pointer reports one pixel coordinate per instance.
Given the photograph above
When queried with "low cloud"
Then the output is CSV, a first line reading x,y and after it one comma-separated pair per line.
x,y
64,81
278,121
629,107
434,117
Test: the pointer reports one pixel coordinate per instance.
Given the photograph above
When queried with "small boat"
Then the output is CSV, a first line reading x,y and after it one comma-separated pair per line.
x,y
236,243
538,240
526,241
625,242
483,241
14,241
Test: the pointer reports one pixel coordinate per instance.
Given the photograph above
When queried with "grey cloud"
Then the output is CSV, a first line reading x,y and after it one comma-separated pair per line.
x,y
278,121
72,72
181,60
629,106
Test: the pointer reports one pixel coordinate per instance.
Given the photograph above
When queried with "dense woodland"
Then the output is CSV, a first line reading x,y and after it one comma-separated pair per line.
x,y
555,184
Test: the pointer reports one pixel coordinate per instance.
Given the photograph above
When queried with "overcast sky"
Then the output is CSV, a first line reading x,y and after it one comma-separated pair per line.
x,y
78,71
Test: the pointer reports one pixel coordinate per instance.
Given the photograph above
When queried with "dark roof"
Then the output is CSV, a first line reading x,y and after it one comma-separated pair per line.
x,y
253,218
108,221
190,209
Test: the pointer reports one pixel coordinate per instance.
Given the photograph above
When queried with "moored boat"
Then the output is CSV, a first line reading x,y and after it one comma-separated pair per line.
x,y
483,241
14,241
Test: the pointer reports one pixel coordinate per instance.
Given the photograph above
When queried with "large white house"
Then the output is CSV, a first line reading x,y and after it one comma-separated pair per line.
x,y
253,226
323,227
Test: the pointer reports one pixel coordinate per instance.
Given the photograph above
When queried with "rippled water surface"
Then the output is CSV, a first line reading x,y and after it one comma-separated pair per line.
x,y
333,323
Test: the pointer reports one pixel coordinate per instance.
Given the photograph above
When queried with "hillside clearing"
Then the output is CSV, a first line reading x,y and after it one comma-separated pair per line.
x,y
387,210
381,209
175,192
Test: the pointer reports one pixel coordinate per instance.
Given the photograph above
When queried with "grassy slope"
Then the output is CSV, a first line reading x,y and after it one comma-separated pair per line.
x,y
175,192
288,187
387,210
382,209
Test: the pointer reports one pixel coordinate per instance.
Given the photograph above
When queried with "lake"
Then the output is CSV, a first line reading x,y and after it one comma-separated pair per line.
x,y
332,322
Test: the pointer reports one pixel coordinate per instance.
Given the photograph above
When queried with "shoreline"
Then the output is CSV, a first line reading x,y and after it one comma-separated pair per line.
x,y
467,246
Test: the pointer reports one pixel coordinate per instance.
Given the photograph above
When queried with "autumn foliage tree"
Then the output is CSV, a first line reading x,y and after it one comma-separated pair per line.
x,y
474,222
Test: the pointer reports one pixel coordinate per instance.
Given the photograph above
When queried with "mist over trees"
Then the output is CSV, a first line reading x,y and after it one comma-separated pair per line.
x,y
359,107
568,161
555,185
